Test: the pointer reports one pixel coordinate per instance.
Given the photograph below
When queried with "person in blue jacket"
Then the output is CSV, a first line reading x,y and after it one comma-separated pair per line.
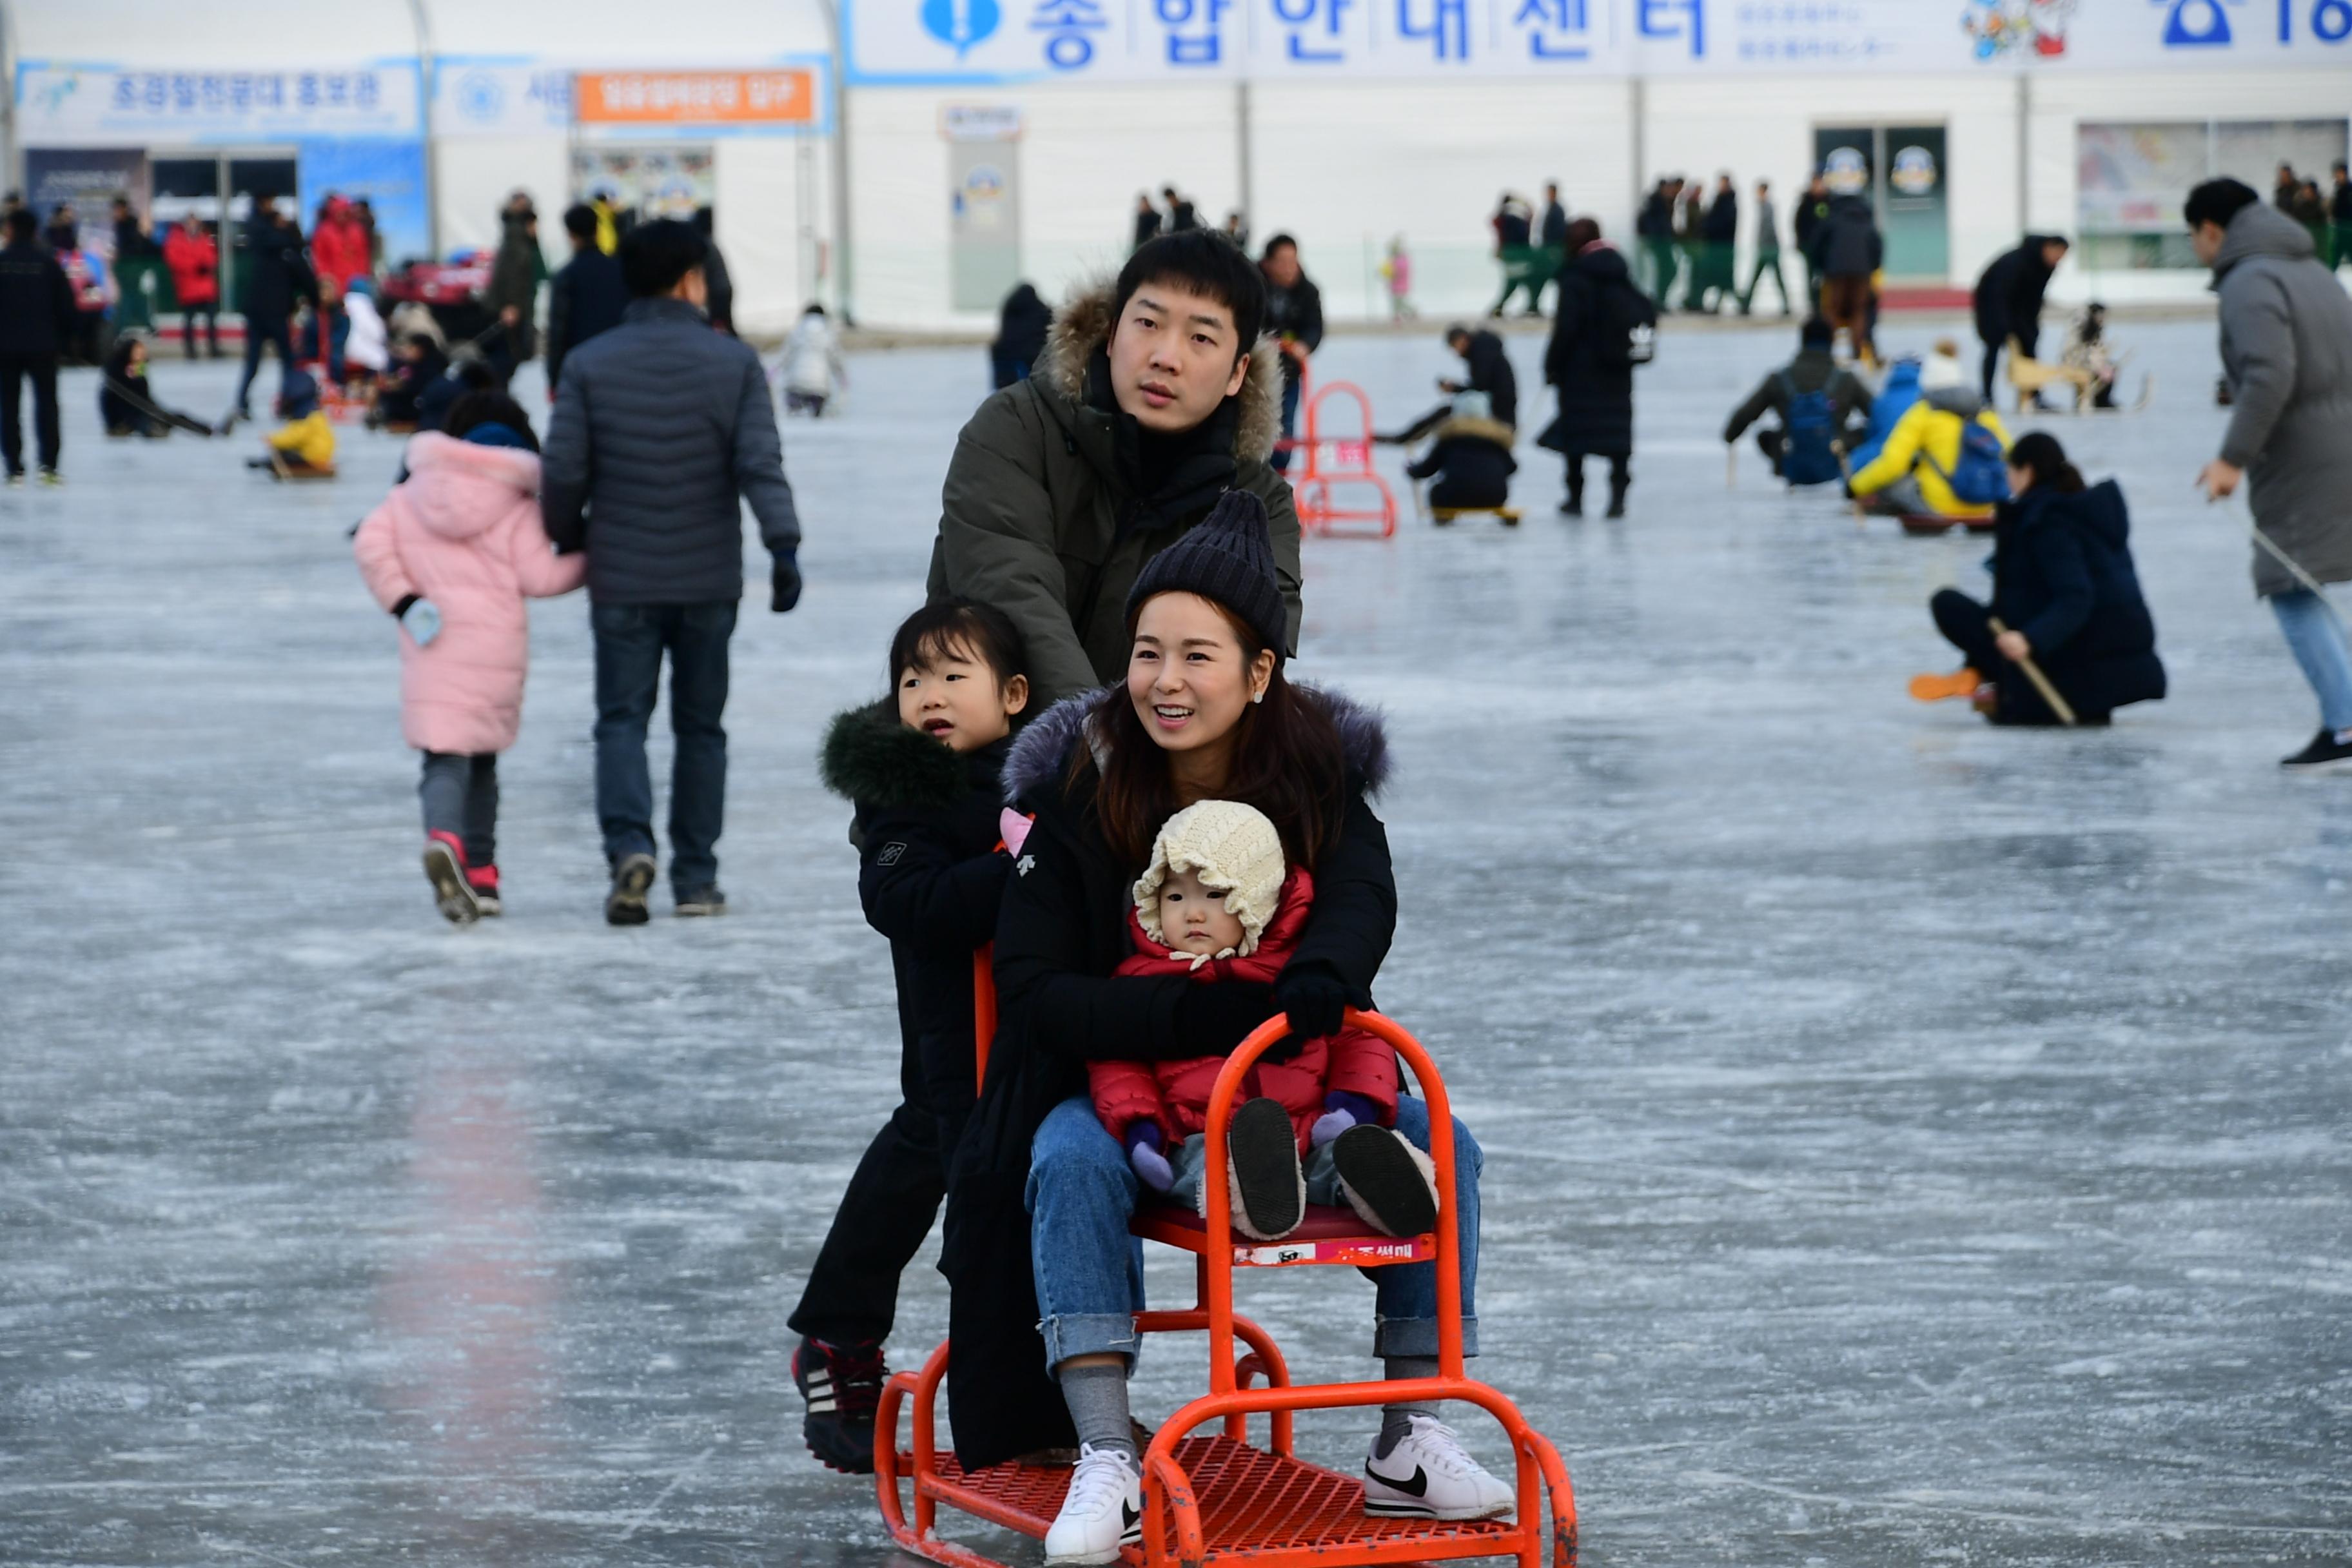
x,y
2064,585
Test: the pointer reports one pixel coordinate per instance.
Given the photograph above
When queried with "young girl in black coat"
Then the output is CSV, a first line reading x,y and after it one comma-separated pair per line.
x,y
2064,585
923,769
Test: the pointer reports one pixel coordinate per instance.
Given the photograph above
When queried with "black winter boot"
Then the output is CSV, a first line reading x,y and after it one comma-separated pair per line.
x,y
1617,488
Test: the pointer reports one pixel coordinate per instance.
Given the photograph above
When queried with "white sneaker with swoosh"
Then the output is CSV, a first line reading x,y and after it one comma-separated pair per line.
x,y
1429,1476
1102,1511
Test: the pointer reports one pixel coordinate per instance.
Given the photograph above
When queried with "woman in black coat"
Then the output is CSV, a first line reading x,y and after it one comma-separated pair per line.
x,y
1036,1234
1595,386
2062,582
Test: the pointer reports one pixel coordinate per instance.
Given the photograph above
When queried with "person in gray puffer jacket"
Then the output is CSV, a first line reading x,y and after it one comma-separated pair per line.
x,y
2286,349
662,429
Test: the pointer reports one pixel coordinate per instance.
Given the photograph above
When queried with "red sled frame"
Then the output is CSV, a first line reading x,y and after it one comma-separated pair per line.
x,y
1218,1499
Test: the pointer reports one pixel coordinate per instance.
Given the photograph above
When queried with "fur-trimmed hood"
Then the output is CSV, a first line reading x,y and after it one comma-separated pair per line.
x,y
1042,752
871,759
1083,324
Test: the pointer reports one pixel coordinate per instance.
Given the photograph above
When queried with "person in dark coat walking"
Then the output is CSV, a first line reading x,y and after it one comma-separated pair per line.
x,y
272,279
1812,211
1021,330
37,321
1469,460
1719,233
2063,585
721,282
513,292
1595,388
587,297
1294,315
1847,252
1181,217
923,768
1655,230
1036,1251
1147,221
1768,254
2009,297
662,430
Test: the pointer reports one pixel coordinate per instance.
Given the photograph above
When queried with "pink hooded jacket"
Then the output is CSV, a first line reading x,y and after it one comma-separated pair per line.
x,y
464,532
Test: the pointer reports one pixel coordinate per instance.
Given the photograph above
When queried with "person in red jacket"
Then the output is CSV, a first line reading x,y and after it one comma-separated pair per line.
x,y
194,261
339,253
1217,904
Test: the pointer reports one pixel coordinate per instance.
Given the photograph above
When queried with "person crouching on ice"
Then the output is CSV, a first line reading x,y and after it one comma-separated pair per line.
x,y
1216,905
2064,585
305,444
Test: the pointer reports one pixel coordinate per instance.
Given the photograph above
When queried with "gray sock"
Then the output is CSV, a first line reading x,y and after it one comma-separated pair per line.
x,y
1096,1396
1396,1420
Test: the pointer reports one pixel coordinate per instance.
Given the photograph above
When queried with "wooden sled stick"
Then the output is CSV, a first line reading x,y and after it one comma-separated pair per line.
x,y
1861,518
2058,704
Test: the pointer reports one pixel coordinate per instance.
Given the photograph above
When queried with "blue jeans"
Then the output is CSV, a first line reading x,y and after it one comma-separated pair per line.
x,y
1089,1270
630,641
2315,637
1281,458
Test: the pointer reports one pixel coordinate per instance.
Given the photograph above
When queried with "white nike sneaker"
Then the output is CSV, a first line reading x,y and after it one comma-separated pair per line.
x,y
1429,1476
1102,1511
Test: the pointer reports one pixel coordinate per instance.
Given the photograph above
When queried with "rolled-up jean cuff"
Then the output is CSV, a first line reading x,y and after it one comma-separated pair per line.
x,y
1100,1333
1418,1336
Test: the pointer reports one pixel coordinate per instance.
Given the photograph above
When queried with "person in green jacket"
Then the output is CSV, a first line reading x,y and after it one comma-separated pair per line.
x,y
1155,394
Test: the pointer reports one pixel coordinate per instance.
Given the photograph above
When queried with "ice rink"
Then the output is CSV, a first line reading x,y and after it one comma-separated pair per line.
x,y
1908,1143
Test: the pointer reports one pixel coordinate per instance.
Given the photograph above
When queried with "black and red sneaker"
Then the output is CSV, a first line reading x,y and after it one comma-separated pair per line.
x,y
843,1384
484,880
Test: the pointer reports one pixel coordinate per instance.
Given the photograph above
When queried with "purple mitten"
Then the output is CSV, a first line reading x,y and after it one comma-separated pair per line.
x,y
1341,1110
1144,1140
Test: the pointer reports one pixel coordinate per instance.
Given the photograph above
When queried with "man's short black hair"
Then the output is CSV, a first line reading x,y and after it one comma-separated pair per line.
x,y
654,255
1458,330
1816,334
1205,263
23,225
580,221
2218,201
957,627
1276,243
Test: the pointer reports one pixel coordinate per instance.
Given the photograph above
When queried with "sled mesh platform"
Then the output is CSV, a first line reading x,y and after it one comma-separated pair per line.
x,y
1252,1503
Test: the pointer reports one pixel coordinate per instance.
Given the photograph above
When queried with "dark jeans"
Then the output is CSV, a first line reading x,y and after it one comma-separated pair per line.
x,y
1765,261
1620,476
460,795
1281,458
886,1211
258,334
2027,337
188,315
14,371
1966,625
630,642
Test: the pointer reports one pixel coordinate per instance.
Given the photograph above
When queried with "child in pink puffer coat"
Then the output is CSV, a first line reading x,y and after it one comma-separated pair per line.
x,y
452,553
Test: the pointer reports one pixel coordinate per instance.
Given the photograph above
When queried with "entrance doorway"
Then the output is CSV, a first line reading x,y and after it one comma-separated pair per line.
x,y
1902,172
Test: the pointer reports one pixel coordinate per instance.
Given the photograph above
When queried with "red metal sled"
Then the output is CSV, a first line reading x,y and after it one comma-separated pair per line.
x,y
1337,469
1219,1498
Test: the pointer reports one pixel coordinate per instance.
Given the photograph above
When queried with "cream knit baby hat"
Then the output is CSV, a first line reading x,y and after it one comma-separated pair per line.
x,y
1234,850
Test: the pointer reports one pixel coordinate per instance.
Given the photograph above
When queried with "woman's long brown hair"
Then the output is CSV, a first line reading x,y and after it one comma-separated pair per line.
x,y
1286,761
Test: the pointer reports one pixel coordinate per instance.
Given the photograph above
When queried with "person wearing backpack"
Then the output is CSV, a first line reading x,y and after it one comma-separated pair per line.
x,y
1945,457
1605,326
1822,407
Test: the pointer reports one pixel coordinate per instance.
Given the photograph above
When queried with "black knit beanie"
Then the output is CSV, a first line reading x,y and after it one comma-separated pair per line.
x,y
1227,559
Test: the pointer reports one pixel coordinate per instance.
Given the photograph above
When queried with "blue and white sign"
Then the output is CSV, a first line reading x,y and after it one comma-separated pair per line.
x,y
61,105
997,41
501,97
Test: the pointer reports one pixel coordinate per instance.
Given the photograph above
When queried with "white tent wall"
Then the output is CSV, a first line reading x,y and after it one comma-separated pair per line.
x,y
2061,104
472,178
251,34
757,225
1759,127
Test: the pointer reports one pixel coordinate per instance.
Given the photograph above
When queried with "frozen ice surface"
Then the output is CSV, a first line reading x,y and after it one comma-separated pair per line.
x,y
1906,1142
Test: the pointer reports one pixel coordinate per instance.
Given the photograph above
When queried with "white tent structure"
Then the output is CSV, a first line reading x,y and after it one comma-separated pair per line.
x,y
985,141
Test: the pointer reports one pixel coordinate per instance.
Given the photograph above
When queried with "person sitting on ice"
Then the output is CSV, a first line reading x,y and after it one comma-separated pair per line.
x,y
1217,904
2087,350
1822,408
416,363
1155,396
2065,589
304,443
1934,463
1469,458
126,403
1040,1264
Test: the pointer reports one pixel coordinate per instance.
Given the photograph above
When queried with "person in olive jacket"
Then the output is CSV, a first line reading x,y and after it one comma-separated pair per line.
x,y
2064,585
1155,394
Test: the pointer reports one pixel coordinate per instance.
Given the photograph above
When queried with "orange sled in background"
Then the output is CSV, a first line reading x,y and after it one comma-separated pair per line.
x,y
1219,1497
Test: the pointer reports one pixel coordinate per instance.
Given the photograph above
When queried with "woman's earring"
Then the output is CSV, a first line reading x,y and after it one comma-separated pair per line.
x,y
1259,696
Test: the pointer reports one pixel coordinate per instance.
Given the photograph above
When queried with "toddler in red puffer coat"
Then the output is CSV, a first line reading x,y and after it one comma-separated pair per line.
x,y
1216,905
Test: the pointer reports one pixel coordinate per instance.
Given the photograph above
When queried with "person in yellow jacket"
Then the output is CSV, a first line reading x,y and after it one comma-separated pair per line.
x,y
1913,472
305,444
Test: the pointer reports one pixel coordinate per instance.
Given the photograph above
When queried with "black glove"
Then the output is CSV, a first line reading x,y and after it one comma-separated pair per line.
x,y
1316,998
1211,1020
784,582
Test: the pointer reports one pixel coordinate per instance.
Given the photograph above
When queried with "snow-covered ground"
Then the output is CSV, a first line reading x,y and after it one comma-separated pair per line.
x,y
1906,1142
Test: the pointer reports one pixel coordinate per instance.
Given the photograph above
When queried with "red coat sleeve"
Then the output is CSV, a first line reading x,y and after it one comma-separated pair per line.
x,y
1362,1063
1125,1092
